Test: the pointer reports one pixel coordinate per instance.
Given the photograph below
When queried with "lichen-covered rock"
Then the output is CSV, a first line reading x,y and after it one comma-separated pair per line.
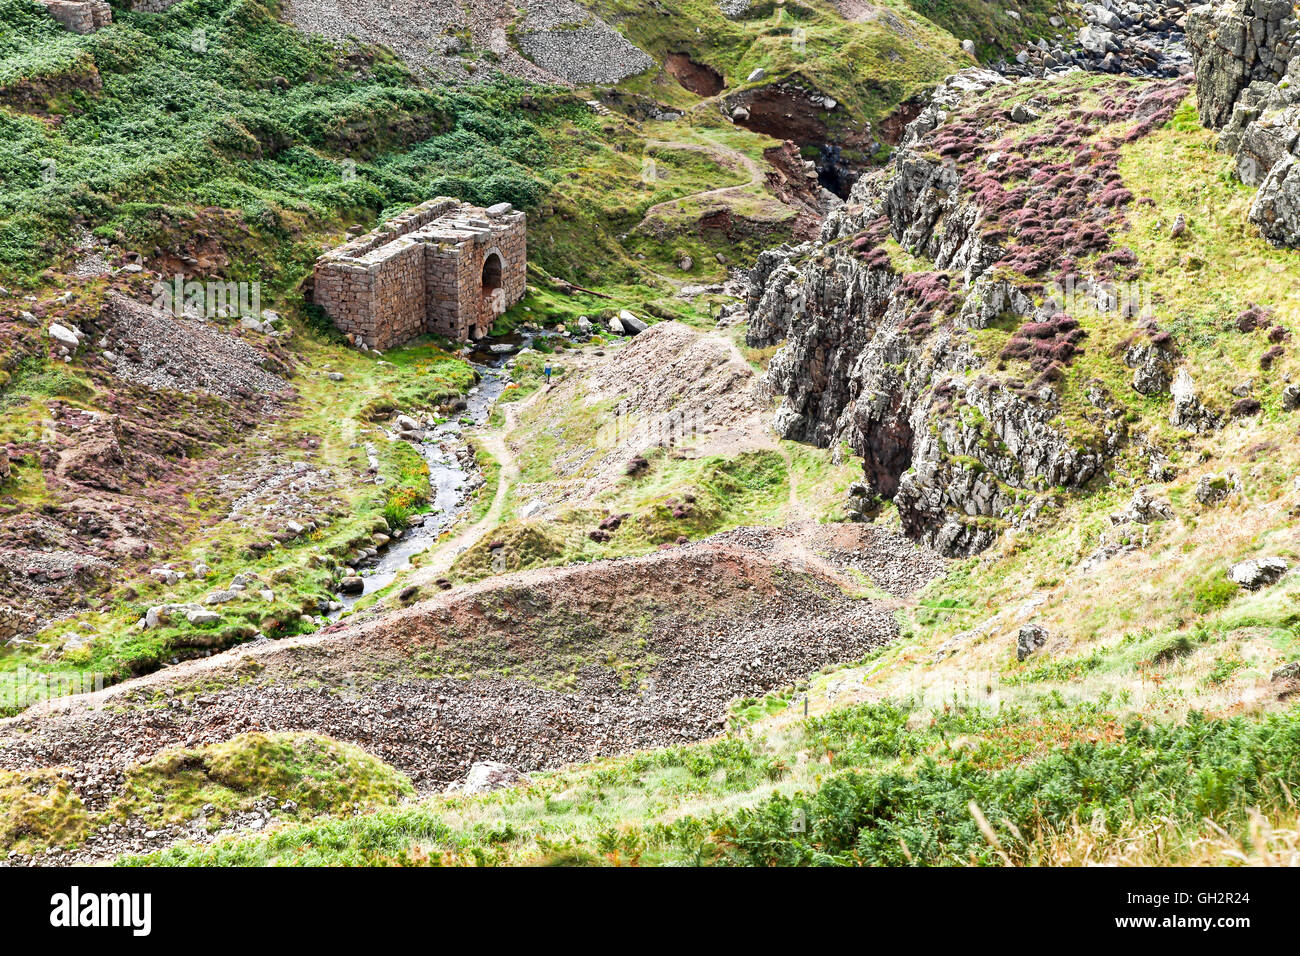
x,y
1030,639
1276,209
1257,572
1144,508
1212,489
1187,410
1247,62
1152,366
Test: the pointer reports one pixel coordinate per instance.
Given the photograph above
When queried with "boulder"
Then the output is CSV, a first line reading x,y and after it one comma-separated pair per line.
x,y
1257,572
1024,113
625,323
1143,509
1029,640
1152,367
353,584
1287,672
1096,40
486,775
64,335
1211,489
1188,412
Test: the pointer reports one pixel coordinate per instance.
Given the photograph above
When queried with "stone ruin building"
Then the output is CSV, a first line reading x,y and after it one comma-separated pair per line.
x,y
80,16
444,267
87,16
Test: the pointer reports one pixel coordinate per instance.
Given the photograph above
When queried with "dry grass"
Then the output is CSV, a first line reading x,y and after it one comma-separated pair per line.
x,y
1269,841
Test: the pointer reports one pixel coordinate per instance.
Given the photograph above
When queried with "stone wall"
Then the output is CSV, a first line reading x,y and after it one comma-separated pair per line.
x,y
80,16
423,272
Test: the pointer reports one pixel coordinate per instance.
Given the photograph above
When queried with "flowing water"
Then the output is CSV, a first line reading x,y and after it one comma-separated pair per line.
x,y
449,467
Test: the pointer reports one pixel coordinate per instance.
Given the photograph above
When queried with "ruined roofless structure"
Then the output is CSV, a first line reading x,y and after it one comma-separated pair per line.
x,y
444,267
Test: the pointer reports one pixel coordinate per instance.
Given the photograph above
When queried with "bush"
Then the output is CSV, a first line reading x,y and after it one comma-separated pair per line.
x,y
921,816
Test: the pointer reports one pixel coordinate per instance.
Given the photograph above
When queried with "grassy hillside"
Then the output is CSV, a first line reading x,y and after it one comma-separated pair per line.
x,y
1154,727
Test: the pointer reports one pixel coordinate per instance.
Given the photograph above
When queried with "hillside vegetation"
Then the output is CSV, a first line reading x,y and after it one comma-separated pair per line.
x,y
675,637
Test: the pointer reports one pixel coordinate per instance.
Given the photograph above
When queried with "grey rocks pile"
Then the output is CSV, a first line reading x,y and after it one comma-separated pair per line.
x,y
164,351
1247,58
594,54
1143,509
1136,37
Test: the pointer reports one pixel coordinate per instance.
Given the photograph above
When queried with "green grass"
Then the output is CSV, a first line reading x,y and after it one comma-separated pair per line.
x,y
297,775
318,774
693,498
889,784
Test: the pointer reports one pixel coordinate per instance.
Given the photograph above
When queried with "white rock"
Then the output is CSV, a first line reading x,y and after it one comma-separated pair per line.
x,y
1257,572
64,335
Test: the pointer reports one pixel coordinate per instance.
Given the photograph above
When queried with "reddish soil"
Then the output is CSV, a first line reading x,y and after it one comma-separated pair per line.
x,y
699,79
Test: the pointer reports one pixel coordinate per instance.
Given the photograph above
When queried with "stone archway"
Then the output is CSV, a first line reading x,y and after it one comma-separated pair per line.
x,y
492,289
492,272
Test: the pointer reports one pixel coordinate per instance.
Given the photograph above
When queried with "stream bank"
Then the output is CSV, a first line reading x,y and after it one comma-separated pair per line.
x,y
454,475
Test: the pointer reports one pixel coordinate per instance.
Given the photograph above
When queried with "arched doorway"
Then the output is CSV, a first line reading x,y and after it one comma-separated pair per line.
x,y
491,273
494,294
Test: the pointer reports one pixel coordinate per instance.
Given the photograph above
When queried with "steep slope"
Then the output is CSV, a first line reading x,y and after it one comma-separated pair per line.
x,y
936,325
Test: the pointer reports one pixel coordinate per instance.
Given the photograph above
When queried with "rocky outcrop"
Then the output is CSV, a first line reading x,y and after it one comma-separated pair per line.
x,y
1030,638
1247,61
927,328
885,360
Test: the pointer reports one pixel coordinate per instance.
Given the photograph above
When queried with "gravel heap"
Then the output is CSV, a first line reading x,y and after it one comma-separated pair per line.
x,y
586,55
1135,37
777,622
163,351
734,9
433,730
895,563
560,40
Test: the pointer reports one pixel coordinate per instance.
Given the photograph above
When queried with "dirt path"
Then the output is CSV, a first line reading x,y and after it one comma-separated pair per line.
x,y
726,156
441,558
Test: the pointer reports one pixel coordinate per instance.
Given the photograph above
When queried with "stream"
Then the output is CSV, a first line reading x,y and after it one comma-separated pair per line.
x,y
450,473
